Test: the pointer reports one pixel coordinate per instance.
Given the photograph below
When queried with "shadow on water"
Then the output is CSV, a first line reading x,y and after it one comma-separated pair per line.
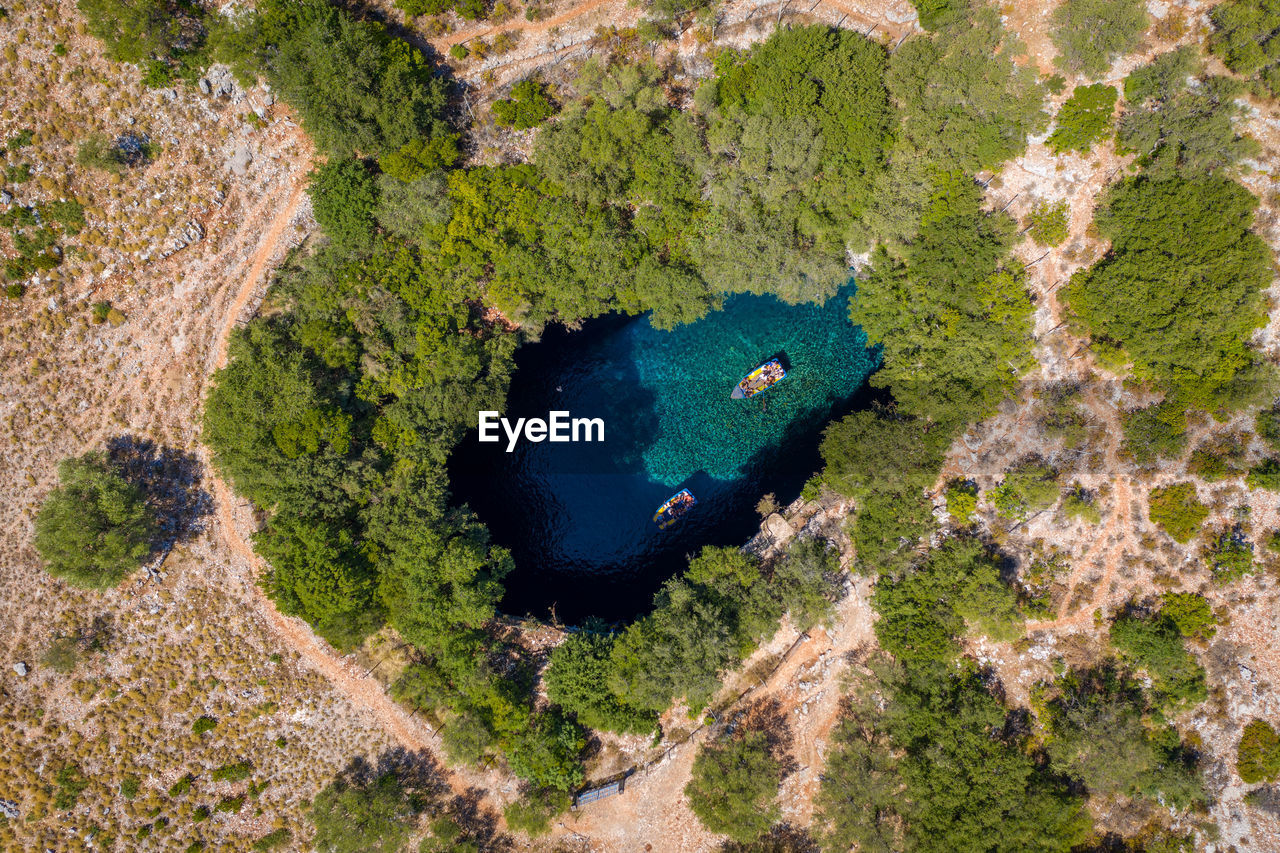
x,y
578,517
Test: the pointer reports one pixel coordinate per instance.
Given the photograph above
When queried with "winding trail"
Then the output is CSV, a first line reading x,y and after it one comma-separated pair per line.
x,y
364,692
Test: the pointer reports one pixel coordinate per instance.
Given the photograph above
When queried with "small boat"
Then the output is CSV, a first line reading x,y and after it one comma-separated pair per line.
x,y
763,377
676,507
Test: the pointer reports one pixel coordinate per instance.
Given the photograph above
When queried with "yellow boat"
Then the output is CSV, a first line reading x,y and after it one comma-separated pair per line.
x,y
763,377
674,509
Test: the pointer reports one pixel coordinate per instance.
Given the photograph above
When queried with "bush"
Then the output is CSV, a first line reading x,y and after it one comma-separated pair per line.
x,y
177,789
1090,34
1084,119
352,815
1048,223
233,772
71,784
1267,425
532,813
806,583
1230,556
1155,644
1264,475
129,787
203,724
735,786
344,195
1245,37
1177,512
1191,613
272,840
1258,756
962,501
94,528
1079,503
527,107
99,152
62,655
1026,489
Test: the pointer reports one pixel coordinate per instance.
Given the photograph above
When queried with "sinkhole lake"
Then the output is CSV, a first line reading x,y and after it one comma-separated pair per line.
x,y
578,516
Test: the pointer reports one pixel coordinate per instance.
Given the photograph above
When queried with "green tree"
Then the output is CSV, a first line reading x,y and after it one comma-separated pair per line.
x,y
94,528
1100,731
527,107
1026,489
953,321
1179,128
1084,119
805,582
344,196
1180,288
734,786
1258,756
1245,38
353,814
144,29
1048,223
1177,511
924,761
577,680
1154,644
1090,34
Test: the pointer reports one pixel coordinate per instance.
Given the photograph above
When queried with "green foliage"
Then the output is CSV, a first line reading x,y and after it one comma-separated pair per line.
x,y
344,196
273,840
885,462
1177,511
956,588
1258,756
357,90
1026,489
129,787
527,107
953,321
63,655
937,14
806,582
352,815
1077,503
1154,644
71,783
1180,287
1230,556
94,528
1264,475
144,30
962,501
532,813
1157,432
924,761
418,158
1100,730
1267,425
203,724
1191,613
183,785
1090,34
579,667
734,786
965,104
98,151
1178,128
1084,119
237,772
1047,223
1245,38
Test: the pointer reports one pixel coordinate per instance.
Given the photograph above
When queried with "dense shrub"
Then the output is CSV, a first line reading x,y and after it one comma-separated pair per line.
x,y
1191,613
344,195
1090,34
1084,119
1026,489
1245,38
1047,223
527,107
735,785
1258,756
1177,511
94,528
1154,644
1230,556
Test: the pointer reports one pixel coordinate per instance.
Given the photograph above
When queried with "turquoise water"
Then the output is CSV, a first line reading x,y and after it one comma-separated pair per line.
x,y
577,517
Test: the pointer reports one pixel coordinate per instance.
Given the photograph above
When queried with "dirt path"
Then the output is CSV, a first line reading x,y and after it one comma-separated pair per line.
x,y
363,691
445,42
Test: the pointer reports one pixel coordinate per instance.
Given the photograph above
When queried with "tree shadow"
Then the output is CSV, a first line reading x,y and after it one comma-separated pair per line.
x,y
480,824
783,838
170,479
768,717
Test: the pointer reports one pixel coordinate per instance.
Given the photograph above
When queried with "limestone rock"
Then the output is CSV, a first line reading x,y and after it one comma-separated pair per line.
x,y
241,159
21,668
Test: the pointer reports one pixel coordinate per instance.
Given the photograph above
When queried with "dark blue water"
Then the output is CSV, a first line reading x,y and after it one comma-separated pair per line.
x,y
578,517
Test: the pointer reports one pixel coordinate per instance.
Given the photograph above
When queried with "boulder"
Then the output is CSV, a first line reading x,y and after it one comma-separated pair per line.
x,y
21,668
9,808
241,159
205,88
6,197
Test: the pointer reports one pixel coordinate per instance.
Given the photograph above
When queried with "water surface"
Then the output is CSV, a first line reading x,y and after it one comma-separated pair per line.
x,y
577,517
